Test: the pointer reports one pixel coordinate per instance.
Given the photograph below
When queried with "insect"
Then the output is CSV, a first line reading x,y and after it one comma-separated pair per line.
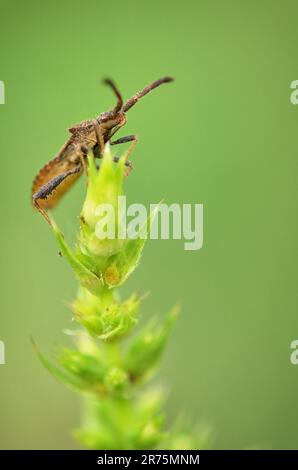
x,y
57,176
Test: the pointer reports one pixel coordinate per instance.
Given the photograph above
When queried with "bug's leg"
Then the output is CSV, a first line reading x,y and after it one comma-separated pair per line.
x,y
132,146
128,138
99,136
116,159
41,210
96,152
83,157
127,163
46,190
123,140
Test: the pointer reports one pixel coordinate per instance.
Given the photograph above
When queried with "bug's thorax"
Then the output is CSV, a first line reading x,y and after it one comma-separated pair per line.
x,y
84,132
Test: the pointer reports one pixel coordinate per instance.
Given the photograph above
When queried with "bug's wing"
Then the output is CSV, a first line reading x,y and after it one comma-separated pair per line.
x,y
55,167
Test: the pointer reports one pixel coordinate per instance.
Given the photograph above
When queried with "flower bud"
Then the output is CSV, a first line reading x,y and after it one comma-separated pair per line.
x,y
104,258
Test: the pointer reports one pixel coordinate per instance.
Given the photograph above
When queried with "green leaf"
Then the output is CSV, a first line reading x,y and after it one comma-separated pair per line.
x,y
64,376
122,264
86,367
86,277
105,317
146,349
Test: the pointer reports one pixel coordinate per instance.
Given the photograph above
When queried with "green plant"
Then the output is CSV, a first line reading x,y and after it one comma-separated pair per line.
x,y
109,366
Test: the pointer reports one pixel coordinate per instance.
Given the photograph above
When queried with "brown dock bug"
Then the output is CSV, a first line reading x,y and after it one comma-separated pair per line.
x,y
57,176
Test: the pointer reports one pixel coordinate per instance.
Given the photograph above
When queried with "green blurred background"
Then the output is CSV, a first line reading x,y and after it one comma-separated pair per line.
x,y
225,135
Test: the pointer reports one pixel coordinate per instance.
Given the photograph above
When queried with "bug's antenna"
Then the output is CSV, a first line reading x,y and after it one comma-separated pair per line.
x,y
119,104
132,101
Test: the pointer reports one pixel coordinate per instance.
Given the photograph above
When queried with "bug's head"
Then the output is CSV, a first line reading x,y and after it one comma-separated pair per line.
x,y
110,119
116,117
